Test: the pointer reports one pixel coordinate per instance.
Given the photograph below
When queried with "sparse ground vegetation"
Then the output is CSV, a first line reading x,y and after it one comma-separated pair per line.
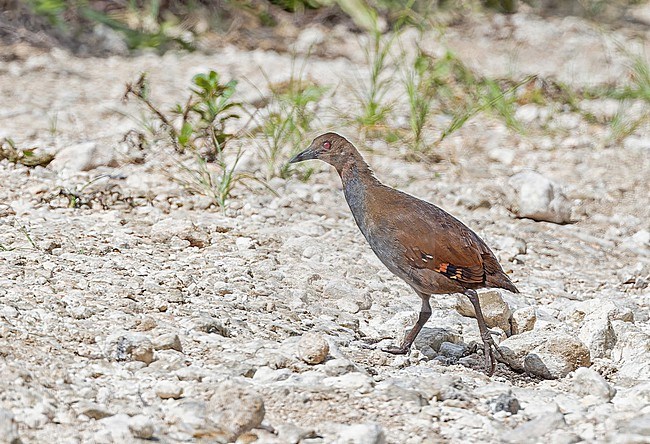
x,y
163,268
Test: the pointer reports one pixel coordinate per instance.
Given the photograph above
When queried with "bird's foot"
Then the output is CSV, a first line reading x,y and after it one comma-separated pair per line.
x,y
396,350
489,347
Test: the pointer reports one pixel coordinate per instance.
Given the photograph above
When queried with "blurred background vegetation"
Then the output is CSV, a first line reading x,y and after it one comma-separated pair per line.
x,y
209,131
203,24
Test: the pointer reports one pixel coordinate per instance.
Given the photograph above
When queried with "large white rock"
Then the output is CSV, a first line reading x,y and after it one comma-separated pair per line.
x,y
308,38
639,242
232,410
371,433
631,352
548,352
168,341
595,317
339,288
599,308
536,197
527,113
92,409
590,385
191,416
113,429
598,335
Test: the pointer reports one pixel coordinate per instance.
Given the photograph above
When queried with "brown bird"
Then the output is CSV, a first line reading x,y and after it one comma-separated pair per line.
x,y
425,246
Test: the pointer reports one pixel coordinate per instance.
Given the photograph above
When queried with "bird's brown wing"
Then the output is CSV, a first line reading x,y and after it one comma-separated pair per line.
x,y
463,265
437,241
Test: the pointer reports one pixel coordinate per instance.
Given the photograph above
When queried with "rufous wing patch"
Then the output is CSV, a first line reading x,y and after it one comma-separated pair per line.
x,y
468,274
451,271
463,274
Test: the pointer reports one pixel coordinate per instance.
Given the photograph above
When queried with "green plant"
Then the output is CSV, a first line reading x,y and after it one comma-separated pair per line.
x,y
639,87
203,116
622,124
77,196
25,232
461,93
297,5
142,24
291,111
217,180
542,91
372,91
502,102
371,98
494,100
508,6
200,127
26,156
53,127
142,27
420,90
51,9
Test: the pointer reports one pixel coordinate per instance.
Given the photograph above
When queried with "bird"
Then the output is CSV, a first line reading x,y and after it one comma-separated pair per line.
x,y
428,248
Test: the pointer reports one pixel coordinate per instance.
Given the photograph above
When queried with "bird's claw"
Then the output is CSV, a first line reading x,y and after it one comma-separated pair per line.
x,y
489,346
395,350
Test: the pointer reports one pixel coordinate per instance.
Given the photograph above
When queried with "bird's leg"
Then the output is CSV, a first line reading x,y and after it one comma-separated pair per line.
x,y
425,314
486,335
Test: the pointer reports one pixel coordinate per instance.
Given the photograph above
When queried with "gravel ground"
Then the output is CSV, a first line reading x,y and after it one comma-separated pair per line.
x,y
149,314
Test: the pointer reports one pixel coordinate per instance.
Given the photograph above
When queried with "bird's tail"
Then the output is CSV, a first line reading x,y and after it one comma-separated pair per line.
x,y
495,276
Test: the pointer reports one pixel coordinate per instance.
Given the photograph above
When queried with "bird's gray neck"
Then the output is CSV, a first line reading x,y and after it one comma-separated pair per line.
x,y
357,178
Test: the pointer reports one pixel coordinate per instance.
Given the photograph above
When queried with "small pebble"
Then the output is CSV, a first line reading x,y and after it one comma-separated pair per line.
x,y
168,390
169,341
451,350
506,402
313,348
141,427
127,346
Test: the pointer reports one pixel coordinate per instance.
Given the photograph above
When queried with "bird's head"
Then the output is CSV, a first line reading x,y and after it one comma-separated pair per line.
x,y
329,147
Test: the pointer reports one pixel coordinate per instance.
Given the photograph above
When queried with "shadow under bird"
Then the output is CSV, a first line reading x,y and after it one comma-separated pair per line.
x,y
425,246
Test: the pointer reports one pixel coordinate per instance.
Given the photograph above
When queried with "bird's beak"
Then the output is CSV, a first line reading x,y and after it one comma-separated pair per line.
x,y
308,154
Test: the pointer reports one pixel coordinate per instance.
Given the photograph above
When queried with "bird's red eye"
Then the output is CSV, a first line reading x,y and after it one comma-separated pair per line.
x,y
327,145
